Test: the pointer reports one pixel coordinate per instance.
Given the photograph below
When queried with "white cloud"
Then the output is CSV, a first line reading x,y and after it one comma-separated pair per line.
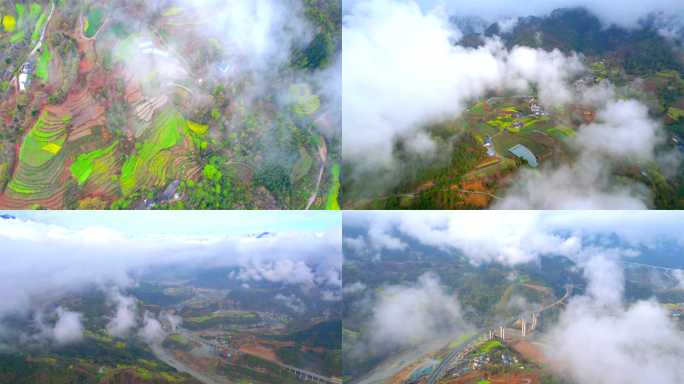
x,y
125,317
151,330
292,302
354,288
68,328
403,72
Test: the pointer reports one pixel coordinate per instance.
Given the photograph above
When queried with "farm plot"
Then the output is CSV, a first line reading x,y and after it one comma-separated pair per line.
x,y
43,141
173,11
42,70
17,36
302,167
561,128
89,162
42,171
331,203
39,25
20,11
151,164
93,22
36,9
9,22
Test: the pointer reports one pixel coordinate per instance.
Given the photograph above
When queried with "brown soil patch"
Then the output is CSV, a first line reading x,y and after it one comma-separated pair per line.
x,y
83,133
307,349
537,287
259,351
510,378
532,351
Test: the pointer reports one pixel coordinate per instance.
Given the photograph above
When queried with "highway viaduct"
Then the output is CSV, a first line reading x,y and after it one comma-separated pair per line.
x,y
302,374
447,362
637,265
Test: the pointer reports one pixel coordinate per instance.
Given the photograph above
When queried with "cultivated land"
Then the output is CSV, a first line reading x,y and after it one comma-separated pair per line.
x,y
641,64
114,111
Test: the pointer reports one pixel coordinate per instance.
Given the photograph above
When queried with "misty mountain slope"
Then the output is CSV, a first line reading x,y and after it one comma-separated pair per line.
x,y
639,51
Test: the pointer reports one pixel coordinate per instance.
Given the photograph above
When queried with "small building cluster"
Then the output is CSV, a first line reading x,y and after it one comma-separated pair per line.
x,y
490,148
165,197
480,360
23,80
679,142
536,109
584,80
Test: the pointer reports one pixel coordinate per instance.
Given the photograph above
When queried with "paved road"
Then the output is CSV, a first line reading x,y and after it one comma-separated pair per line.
x,y
166,357
445,363
185,332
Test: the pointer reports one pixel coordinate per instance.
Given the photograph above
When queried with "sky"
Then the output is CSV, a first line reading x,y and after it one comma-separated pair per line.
x,y
624,13
188,223
512,237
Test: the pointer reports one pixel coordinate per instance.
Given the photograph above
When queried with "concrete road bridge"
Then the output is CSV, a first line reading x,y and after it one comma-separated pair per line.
x,y
637,265
300,373
446,364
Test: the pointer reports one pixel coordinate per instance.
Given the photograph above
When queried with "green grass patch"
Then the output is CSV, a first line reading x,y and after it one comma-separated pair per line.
x,y
489,345
39,25
95,16
179,338
16,36
216,43
477,111
302,167
151,75
173,11
331,203
349,333
346,378
674,113
35,11
20,10
567,130
85,163
42,70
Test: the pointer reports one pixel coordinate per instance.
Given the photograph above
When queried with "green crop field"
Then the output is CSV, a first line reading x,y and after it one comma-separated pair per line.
x,y
173,11
489,345
331,203
150,164
83,166
302,167
35,11
567,130
20,10
179,338
39,25
16,36
42,70
477,111
674,113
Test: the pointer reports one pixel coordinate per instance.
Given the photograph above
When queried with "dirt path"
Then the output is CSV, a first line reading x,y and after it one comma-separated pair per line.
x,y
231,162
312,199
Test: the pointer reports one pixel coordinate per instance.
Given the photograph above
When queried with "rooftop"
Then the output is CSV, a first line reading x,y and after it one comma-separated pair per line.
x,y
521,151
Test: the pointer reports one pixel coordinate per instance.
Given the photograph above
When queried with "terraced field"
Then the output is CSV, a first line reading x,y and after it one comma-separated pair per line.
x,y
302,167
164,152
42,172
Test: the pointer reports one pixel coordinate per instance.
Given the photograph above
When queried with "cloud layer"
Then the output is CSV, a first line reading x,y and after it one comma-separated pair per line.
x,y
48,261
